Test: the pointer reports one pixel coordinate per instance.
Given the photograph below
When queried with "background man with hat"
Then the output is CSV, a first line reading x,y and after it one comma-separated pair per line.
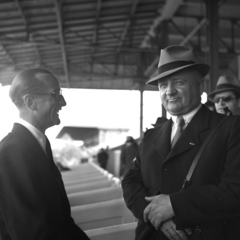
x,y
209,208
227,94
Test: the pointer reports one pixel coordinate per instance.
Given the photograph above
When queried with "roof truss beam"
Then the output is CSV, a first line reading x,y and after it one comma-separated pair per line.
x,y
28,34
58,7
166,13
128,24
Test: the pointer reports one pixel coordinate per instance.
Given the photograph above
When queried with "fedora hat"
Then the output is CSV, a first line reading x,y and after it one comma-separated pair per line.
x,y
176,58
226,83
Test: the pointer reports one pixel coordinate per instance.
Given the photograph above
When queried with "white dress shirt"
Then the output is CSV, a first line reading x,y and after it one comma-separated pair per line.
x,y
187,118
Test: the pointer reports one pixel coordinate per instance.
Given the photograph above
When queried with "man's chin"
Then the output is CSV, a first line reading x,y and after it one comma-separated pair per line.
x,y
221,111
174,111
56,121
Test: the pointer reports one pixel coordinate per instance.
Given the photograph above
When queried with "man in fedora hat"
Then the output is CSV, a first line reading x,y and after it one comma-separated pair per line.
x,y
209,207
227,95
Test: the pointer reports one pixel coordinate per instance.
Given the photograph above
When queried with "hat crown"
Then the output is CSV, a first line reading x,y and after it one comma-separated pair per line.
x,y
175,53
176,58
230,80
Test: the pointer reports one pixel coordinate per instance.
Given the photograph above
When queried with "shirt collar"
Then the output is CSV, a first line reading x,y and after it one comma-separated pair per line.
x,y
187,117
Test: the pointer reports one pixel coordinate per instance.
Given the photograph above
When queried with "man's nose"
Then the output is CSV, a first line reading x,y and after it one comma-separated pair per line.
x,y
221,102
62,100
170,89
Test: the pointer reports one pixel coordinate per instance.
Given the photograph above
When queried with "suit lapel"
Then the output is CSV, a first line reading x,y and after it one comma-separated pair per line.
x,y
25,135
33,145
162,140
191,135
50,157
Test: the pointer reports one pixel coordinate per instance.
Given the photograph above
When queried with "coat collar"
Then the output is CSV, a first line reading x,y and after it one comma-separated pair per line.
x,y
26,136
162,140
189,138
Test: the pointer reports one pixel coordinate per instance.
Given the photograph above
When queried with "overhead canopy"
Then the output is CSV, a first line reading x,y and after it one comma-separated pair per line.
x,y
109,44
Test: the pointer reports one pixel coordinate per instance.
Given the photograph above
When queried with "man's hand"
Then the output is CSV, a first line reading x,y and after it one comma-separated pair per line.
x,y
169,230
159,210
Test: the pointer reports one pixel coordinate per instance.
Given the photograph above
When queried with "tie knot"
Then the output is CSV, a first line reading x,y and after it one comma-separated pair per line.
x,y
180,121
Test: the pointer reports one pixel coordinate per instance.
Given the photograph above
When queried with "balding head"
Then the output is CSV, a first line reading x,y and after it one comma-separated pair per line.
x,y
29,81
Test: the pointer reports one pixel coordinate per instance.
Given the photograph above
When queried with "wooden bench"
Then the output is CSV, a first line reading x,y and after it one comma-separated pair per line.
x,y
102,214
116,232
85,180
93,196
81,172
88,186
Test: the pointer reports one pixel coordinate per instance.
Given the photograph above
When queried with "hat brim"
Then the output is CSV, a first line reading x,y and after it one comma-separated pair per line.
x,y
203,69
234,89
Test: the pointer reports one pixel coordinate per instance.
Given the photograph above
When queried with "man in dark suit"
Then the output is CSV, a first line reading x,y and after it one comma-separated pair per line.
x,y
209,208
33,201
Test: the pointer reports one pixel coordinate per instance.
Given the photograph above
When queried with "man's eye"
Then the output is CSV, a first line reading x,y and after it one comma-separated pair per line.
x,y
163,85
179,82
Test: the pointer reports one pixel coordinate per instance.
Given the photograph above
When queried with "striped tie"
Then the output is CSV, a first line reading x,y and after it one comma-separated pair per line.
x,y
180,125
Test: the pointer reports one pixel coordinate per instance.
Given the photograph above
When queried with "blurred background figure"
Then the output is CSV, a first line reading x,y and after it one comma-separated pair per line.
x,y
128,153
159,121
210,105
226,96
102,158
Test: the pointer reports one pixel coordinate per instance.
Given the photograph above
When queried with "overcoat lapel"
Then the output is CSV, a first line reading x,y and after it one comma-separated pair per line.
x,y
162,140
191,136
33,145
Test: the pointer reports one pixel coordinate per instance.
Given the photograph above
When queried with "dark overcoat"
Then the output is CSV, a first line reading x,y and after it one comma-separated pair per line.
x,y
212,201
33,201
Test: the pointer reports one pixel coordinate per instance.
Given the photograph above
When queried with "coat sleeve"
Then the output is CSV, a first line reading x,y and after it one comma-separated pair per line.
x,y
134,191
206,203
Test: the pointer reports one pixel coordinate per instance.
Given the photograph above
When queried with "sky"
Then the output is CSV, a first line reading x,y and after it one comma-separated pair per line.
x,y
93,108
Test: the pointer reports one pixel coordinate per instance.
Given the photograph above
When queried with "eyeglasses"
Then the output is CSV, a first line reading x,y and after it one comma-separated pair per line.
x,y
224,99
55,94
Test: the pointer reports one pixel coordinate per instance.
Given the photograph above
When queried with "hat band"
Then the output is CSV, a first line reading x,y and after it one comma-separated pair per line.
x,y
170,66
225,85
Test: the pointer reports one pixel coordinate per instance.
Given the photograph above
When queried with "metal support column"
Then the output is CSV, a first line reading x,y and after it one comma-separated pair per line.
x,y
164,43
141,87
212,38
238,64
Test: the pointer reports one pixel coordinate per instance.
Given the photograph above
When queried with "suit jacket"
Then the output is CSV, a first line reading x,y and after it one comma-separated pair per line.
x,y
213,198
33,201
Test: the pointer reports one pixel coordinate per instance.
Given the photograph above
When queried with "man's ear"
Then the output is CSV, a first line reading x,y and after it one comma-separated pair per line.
x,y
201,86
29,101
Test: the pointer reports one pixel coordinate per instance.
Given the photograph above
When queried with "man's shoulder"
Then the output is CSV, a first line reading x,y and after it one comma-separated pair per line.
x,y
159,124
10,138
15,138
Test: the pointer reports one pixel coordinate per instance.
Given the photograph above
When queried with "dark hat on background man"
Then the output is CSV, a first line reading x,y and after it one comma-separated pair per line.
x,y
226,83
175,58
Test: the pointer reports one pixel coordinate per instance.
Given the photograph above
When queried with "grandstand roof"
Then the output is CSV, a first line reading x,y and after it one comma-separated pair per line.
x,y
110,44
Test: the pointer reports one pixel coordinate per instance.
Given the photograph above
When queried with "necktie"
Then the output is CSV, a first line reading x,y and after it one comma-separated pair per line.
x,y
180,125
48,148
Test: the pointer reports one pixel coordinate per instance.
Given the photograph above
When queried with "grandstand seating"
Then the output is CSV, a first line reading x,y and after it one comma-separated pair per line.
x,y
117,232
102,214
96,203
93,196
